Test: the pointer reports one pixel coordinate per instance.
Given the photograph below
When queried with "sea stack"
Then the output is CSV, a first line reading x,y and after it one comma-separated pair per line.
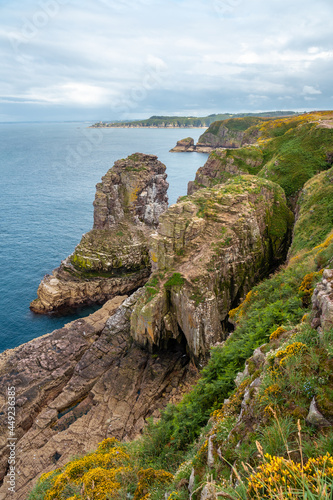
x,y
113,258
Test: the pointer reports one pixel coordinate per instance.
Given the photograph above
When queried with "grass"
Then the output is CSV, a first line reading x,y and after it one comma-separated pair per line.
x,y
176,280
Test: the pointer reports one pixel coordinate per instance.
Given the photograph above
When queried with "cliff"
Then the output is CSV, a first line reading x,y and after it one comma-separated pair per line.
x,y
217,296
231,133
113,258
210,248
184,121
288,151
79,385
265,390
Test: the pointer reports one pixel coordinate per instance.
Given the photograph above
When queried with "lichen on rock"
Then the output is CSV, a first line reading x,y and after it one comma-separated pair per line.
x,y
113,258
210,248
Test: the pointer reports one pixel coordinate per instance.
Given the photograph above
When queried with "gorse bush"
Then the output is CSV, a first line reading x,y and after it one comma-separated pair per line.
x,y
111,472
282,478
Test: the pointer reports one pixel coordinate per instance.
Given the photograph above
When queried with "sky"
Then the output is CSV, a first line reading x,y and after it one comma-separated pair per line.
x,y
129,59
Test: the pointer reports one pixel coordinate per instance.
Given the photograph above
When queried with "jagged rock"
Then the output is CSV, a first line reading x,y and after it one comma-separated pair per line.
x,y
113,258
258,357
184,145
134,188
81,384
222,164
315,417
242,376
210,452
218,243
191,481
322,302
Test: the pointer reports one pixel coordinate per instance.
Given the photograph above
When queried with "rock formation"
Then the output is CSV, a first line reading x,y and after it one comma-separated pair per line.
x,y
322,301
112,259
289,151
81,384
209,250
184,145
231,133
223,164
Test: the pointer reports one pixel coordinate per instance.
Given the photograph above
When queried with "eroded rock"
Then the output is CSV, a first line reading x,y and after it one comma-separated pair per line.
x,y
322,302
222,164
184,145
209,250
315,418
113,258
79,385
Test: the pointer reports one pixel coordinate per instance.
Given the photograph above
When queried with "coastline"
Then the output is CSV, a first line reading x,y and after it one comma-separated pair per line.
x,y
145,126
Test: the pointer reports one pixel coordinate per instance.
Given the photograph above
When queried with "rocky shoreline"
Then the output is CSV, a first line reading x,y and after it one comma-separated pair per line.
x,y
170,278
81,384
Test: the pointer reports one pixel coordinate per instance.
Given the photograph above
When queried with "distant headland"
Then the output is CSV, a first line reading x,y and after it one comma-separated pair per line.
x,y
185,121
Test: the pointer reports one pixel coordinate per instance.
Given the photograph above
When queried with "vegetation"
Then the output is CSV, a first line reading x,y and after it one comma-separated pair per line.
x,y
185,121
249,410
288,151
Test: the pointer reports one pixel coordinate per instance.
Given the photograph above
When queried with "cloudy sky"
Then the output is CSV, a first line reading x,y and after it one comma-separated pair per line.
x,y
117,59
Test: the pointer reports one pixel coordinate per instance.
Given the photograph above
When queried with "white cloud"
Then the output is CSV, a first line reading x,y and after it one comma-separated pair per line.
x,y
309,90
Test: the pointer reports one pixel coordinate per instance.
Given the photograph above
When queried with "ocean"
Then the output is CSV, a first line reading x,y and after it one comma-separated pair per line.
x,y
48,176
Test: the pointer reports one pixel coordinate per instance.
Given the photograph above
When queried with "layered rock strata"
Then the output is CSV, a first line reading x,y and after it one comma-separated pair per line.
x,y
79,385
209,250
113,258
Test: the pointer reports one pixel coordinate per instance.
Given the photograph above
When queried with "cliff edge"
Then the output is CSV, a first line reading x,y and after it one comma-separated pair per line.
x,y
113,258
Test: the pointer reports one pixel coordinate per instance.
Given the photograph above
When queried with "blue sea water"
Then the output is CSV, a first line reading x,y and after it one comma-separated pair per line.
x,y
48,177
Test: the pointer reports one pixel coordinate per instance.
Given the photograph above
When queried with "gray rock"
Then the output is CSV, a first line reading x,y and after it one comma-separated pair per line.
x,y
210,452
315,417
191,481
209,492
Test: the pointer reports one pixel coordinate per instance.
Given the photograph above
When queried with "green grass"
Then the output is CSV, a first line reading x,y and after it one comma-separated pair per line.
x,y
176,280
315,207
293,158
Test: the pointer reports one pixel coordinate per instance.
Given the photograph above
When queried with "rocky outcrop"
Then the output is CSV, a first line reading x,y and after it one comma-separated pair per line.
x,y
113,258
231,133
322,302
187,146
223,164
79,385
209,250
184,145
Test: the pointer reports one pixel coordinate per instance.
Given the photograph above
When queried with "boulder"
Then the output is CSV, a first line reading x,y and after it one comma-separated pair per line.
x,y
315,418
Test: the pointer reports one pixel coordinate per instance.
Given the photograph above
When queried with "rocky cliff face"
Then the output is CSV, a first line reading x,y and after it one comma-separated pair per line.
x,y
222,164
289,151
81,384
231,133
209,250
112,258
